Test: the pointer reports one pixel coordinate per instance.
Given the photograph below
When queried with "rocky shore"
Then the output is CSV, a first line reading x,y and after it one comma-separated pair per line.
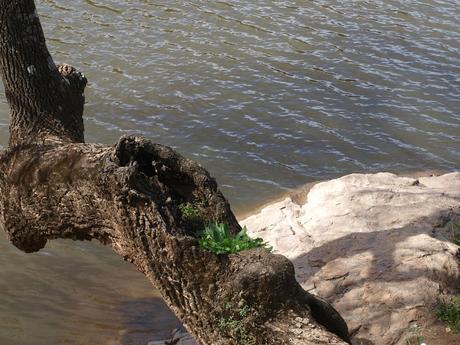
x,y
378,247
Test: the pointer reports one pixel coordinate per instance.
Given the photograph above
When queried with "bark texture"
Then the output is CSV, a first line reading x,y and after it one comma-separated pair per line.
x,y
52,185
45,100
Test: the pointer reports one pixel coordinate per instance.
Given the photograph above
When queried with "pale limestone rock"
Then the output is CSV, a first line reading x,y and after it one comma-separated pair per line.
x,y
377,246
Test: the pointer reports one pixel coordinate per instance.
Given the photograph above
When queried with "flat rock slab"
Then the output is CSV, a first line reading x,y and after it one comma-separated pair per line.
x,y
377,246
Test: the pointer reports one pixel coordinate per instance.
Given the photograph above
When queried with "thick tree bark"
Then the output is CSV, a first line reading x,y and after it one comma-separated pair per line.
x,y
45,100
52,185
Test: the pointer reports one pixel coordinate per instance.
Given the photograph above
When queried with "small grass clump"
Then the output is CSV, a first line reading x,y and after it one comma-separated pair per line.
x,y
189,211
449,311
236,325
217,238
191,216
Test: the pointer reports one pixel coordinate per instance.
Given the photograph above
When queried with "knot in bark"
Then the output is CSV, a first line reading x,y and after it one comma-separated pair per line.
x,y
76,80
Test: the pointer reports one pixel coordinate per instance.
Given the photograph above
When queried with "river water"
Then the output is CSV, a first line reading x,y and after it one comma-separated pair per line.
x,y
267,95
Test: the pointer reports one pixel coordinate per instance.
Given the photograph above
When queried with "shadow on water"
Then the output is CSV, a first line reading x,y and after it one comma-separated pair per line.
x,y
77,293
149,321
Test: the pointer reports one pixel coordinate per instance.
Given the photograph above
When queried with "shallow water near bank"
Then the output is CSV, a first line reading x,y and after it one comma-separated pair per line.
x,y
267,95
77,293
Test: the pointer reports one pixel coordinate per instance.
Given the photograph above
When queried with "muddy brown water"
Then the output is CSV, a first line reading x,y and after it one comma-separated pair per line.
x,y
268,95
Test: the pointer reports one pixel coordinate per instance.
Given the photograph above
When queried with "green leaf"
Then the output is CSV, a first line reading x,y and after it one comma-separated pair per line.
x,y
217,237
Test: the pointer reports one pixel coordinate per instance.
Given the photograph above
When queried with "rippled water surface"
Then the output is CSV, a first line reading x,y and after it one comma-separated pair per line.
x,y
267,95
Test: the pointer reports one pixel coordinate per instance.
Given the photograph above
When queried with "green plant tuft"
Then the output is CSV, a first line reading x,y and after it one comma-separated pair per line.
x,y
217,238
191,216
449,311
237,326
188,211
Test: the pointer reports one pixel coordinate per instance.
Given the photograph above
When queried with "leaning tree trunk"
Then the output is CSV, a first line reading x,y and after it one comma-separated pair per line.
x,y
53,185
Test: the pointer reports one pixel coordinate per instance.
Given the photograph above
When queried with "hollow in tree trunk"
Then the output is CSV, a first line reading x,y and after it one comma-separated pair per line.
x,y
128,196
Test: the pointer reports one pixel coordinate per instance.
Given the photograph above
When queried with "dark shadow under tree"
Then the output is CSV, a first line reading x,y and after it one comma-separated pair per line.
x,y
128,196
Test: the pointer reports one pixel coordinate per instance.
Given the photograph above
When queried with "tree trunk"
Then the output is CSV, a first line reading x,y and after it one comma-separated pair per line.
x,y
53,185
